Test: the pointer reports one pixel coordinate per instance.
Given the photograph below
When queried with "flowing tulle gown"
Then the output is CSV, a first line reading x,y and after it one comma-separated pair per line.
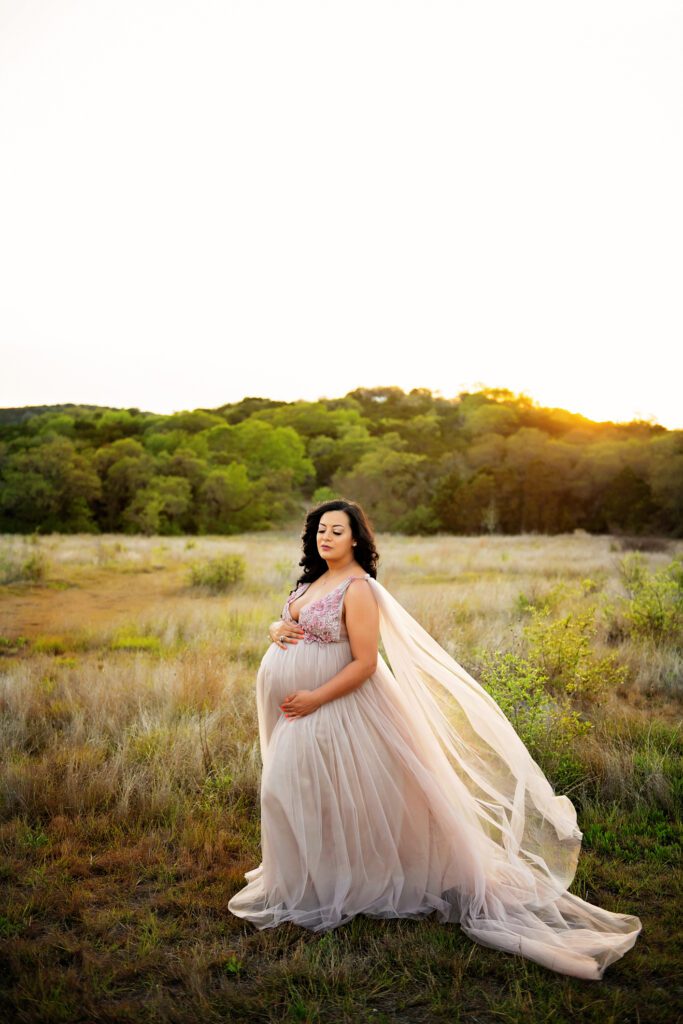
x,y
397,800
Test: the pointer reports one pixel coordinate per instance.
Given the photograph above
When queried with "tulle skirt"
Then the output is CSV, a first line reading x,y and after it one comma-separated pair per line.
x,y
359,814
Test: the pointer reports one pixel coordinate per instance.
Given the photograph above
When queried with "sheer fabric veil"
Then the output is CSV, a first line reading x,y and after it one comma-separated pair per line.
x,y
518,842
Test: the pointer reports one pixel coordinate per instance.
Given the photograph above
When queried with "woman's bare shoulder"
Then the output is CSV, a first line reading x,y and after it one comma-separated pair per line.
x,y
362,596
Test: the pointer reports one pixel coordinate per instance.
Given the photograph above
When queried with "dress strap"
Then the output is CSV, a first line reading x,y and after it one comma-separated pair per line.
x,y
351,578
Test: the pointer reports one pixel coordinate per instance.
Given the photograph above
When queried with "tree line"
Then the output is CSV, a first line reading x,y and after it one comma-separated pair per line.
x,y
486,461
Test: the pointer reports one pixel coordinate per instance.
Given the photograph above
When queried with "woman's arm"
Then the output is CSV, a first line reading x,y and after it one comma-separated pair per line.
x,y
362,625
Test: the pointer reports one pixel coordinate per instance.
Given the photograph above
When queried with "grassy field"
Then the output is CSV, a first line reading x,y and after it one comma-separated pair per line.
x,y
129,785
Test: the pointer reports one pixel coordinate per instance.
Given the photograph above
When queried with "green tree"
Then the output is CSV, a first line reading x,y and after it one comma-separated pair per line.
x,y
125,468
115,425
49,487
260,447
389,482
331,455
162,506
627,502
56,423
665,461
225,497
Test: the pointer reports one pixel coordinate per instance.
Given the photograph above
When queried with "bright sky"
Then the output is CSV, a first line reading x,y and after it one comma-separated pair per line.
x,y
206,199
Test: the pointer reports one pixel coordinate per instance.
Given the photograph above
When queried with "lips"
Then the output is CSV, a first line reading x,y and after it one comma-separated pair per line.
x,y
325,547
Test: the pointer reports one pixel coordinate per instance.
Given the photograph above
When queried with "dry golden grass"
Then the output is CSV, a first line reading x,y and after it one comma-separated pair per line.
x,y
129,788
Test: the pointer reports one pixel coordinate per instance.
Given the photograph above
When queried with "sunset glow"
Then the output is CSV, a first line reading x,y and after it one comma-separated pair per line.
x,y
202,203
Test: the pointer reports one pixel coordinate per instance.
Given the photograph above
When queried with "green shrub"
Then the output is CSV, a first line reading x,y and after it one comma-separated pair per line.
x,y
18,567
134,642
232,965
419,520
562,650
66,662
653,608
548,726
526,604
49,645
218,574
520,689
12,644
567,773
218,789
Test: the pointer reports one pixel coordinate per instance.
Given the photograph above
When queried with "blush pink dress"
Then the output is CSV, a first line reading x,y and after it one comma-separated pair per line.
x,y
346,824
409,795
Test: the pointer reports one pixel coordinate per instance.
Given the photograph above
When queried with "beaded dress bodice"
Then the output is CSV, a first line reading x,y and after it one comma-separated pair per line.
x,y
321,620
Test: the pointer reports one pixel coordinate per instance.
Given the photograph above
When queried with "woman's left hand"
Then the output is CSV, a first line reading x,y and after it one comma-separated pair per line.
x,y
301,702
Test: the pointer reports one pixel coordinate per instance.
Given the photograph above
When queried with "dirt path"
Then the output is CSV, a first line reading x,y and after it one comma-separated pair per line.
x,y
94,599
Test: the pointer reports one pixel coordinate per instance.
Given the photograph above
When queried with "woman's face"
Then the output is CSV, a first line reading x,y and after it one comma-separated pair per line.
x,y
335,539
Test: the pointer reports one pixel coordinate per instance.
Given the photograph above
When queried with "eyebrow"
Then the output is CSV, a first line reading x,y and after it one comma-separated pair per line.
x,y
340,525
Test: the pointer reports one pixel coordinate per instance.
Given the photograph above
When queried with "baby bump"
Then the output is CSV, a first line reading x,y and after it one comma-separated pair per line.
x,y
302,666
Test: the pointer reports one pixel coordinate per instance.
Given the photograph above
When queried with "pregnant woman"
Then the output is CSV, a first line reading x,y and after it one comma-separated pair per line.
x,y
397,792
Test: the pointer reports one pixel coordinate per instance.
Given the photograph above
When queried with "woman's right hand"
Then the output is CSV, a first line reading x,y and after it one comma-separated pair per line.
x,y
284,633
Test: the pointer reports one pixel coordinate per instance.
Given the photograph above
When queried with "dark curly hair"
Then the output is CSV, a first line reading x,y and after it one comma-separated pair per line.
x,y
365,551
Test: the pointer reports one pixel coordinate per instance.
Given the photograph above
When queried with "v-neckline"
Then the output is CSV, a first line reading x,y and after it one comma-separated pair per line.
x,y
315,600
